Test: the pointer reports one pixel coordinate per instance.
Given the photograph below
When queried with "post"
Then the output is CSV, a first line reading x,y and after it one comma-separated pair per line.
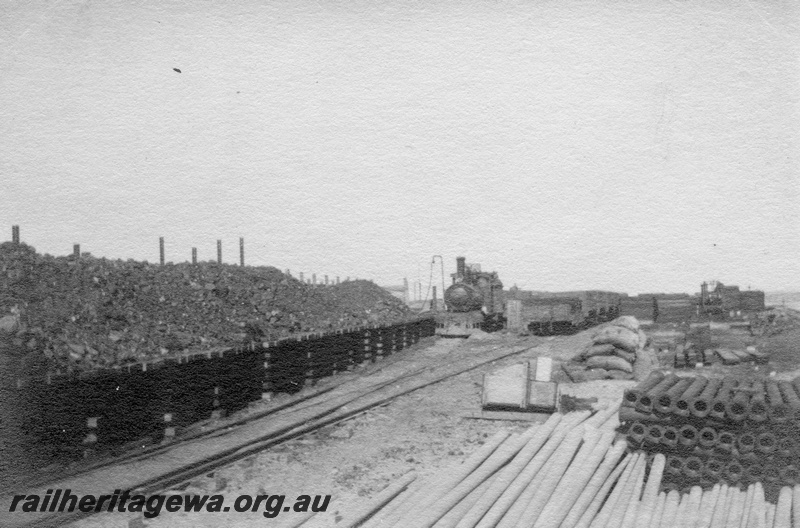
x,y
288,272
15,234
314,279
194,256
76,250
241,251
514,315
326,280
302,279
405,290
433,300
161,250
337,279
219,251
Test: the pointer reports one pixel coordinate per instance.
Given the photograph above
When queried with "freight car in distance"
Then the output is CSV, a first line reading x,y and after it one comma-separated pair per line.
x,y
558,313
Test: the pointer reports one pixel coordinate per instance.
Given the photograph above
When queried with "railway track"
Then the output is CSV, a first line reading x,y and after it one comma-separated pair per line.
x,y
165,467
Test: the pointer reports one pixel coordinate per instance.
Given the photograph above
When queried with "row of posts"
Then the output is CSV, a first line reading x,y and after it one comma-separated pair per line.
x,y
76,251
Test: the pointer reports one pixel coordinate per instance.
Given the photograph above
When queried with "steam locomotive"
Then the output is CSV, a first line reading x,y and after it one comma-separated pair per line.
x,y
476,301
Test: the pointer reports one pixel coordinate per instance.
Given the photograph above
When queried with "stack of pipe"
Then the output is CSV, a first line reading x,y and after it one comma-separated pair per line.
x,y
556,474
733,430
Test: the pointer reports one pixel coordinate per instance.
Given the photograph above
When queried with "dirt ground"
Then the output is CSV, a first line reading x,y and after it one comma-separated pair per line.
x,y
422,431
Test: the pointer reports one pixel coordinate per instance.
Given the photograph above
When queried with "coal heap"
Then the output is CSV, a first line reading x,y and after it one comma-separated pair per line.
x,y
86,313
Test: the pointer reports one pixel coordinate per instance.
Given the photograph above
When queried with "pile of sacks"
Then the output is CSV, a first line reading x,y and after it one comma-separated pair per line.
x,y
613,350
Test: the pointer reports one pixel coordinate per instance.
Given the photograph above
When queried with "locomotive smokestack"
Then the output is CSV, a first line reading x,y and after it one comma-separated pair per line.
x,y
461,266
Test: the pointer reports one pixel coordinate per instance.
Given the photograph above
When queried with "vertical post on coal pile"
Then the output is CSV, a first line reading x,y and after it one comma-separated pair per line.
x,y
15,234
337,279
326,280
90,442
405,290
433,300
241,251
288,272
219,251
161,250
314,279
302,279
76,250
169,429
194,256
216,412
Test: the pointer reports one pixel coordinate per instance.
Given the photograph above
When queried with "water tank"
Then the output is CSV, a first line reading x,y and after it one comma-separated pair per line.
x,y
462,297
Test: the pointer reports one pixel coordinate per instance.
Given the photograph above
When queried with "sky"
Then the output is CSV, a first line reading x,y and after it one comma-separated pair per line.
x,y
625,145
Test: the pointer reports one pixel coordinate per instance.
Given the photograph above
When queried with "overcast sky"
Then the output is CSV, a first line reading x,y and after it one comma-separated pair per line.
x,y
624,145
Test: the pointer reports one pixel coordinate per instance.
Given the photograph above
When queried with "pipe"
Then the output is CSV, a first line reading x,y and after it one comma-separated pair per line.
x,y
746,442
646,400
631,396
692,507
701,404
790,475
748,503
795,505
620,493
713,468
600,498
719,507
671,504
574,480
753,472
732,472
658,512
757,410
636,433
692,467
725,441
647,508
766,442
669,437
783,510
790,397
687,435
707,505
629,414
631,511
737,407
682,405
786,446
674,465
707,437
614,511
779,410
511,471
722,398
653,434
447,480
663,404
509,498
590,490
461,509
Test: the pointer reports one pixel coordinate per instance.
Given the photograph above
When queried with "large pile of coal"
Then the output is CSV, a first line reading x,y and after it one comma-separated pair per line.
x,y
93,312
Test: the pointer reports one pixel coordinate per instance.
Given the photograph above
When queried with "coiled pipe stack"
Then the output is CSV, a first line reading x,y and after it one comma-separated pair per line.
x,y
735,430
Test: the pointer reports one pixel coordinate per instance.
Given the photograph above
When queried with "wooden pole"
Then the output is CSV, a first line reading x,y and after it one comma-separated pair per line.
x,y
241,251
76,250
194,255
302,279
337,279
326,280
15,234
161,250
219,251
314,279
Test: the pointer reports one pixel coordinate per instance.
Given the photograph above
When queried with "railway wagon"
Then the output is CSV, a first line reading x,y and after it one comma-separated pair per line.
x,y
550,313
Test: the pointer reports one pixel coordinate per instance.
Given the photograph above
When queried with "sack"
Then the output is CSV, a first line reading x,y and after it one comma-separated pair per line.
x,y
598,350
619,337
627,321
619,375
609,363
630,357
642,339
